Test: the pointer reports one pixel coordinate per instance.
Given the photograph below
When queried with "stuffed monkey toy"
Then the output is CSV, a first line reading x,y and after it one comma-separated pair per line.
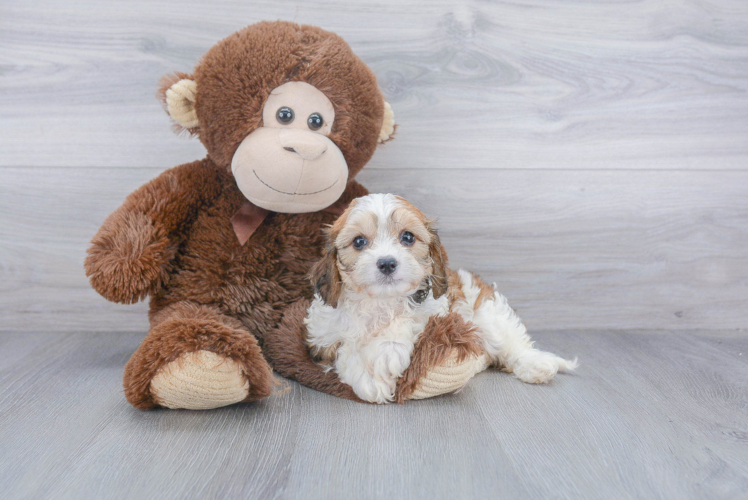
x,y
222,246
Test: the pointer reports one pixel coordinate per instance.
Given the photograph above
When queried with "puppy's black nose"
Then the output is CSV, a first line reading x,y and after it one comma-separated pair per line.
x,y
387,265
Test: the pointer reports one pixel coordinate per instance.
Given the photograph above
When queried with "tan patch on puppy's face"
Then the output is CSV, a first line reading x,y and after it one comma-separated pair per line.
x,y
409,218
360,224
384,228
437,259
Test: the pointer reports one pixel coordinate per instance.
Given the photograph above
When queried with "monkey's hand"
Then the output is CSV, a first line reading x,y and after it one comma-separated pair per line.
x,y
129,257
132,253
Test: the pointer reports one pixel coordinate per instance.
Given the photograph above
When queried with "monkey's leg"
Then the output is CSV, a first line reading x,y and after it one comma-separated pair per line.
x,y
197,358
286,349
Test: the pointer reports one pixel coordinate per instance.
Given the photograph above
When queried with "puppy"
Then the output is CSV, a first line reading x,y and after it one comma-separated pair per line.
x,y
382,276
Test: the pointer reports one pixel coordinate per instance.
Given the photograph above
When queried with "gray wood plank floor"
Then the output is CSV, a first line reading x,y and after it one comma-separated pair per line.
x,y
649,414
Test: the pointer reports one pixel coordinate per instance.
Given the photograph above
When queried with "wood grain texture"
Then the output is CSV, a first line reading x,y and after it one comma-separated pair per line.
x,y
537,84
648,415
570,249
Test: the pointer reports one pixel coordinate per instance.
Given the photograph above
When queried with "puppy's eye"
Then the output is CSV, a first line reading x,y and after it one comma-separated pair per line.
x,y
284,115
407,238
315,121
359,242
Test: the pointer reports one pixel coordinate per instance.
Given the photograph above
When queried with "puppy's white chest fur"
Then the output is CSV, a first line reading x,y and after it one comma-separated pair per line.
x,y
372,338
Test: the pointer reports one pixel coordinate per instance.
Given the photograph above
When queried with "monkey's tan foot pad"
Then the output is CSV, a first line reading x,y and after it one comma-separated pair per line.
x,y
450,376
199,380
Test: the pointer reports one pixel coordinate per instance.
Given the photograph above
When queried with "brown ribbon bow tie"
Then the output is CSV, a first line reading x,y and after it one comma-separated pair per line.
x,y
248,218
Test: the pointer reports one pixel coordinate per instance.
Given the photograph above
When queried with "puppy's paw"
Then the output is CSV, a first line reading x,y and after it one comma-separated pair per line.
x,y
377,383
374,391
391,360
538,367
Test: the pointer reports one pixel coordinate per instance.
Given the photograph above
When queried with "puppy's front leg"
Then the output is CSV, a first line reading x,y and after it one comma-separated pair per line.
x,y
373,371
389,359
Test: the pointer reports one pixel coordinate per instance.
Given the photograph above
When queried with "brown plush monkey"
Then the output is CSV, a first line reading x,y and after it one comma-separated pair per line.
x,y
288,115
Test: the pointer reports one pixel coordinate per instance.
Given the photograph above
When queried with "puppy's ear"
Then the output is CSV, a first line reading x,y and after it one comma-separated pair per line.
x,y
439,278
325,276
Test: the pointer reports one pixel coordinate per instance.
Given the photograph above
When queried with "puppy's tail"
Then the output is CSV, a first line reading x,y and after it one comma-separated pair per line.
x,y
565,365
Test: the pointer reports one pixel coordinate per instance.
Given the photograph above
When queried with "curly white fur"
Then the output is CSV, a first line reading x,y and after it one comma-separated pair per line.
x,y
375,338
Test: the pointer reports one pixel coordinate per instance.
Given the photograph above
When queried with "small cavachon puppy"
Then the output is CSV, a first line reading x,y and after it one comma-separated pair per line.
x,y
383,275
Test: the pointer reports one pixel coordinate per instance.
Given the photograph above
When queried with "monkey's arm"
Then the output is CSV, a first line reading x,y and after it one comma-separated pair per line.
x,y
130,256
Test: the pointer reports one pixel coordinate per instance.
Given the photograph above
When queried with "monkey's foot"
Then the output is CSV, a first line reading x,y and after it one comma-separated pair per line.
x,y
452,375
448,354
196,358
199,380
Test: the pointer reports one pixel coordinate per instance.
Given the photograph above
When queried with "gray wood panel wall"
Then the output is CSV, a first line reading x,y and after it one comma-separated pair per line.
x,y
592,158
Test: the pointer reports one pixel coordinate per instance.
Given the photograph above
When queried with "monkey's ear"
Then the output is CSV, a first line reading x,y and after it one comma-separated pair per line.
x,y
439,278
388,124
325,277
178,93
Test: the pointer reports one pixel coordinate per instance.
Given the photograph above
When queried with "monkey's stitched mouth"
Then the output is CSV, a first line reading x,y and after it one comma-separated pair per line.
x,y
292,194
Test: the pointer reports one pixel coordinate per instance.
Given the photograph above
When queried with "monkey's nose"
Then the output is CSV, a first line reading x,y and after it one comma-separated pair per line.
x,y
387,265
308,145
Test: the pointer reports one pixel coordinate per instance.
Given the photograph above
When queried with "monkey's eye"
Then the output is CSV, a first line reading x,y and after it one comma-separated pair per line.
x,y
359,242
407,238
284,115
315,121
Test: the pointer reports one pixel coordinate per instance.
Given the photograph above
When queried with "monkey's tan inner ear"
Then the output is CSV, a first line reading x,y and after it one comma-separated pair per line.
x,y
388,125
180,103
